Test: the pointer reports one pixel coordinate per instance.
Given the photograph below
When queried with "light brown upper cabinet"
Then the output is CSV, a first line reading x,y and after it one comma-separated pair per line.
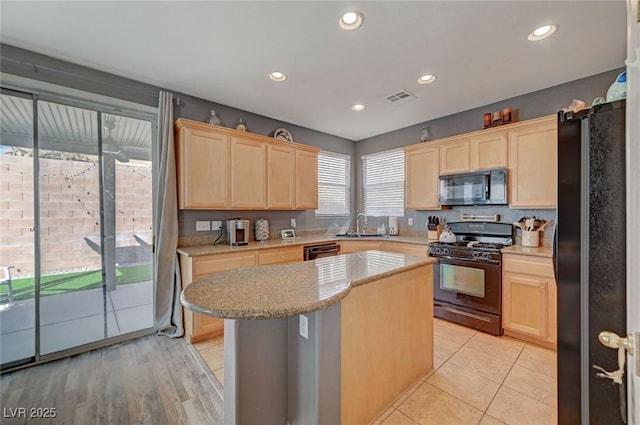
x,y
306,179
248,174
220,168
422,169
455,156
489,151
533,162
281,177
476,151
202,160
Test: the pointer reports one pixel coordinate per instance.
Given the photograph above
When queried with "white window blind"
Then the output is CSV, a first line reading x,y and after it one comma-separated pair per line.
x,y
334,184
383,183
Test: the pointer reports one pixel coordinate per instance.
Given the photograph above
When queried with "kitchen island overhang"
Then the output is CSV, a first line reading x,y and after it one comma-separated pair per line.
x,y
334,340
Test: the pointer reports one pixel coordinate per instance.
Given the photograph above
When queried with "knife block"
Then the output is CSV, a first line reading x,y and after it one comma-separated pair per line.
x,y
433,232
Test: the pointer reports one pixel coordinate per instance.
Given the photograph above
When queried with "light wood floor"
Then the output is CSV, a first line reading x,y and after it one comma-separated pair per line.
x,y
152,380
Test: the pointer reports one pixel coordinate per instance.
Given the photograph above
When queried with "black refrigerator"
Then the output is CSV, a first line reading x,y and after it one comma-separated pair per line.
x,y
589,261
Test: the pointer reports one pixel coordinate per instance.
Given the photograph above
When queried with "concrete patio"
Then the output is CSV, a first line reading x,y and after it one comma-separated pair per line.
x,y
74,318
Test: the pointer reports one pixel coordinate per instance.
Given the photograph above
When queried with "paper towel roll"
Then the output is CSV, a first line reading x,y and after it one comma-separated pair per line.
x,y
393,226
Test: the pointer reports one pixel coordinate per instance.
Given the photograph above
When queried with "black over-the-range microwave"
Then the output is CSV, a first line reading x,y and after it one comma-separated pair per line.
x,y
477,188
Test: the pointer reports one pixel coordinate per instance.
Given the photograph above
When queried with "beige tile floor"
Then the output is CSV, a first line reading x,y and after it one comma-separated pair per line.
x,y
478,379
212,352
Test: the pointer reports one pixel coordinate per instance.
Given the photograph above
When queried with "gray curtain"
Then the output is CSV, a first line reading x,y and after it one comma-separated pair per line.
x,y
168,310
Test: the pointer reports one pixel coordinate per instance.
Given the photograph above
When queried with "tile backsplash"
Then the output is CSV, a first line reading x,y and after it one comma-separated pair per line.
x,y
307,224
507,215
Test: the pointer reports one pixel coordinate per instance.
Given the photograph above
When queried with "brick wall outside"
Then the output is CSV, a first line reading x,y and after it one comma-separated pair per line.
x,y
70,215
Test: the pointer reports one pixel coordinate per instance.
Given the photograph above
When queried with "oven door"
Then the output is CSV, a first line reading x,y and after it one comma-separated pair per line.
x,y
473,284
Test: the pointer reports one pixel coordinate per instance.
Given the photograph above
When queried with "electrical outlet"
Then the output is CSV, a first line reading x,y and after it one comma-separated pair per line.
x,y
410,221
304,326
202,226
216,225
293,223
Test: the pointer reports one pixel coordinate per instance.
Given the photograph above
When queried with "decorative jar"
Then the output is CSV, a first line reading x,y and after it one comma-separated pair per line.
x,y
261,229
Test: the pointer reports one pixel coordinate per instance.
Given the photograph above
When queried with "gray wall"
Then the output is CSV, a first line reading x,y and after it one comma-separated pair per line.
x,y
532,105
55,71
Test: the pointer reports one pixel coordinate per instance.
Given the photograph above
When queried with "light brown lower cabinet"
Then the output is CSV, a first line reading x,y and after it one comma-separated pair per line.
x,y
405,248
199,327
529,297
348,247
290,254
386,343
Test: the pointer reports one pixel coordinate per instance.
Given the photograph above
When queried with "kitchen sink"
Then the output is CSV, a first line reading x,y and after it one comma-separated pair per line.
x,y
360,235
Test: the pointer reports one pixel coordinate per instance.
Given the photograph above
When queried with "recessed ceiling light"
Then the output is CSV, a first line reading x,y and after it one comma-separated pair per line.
x,y
278,76
542,32
350,21
426,79
358,107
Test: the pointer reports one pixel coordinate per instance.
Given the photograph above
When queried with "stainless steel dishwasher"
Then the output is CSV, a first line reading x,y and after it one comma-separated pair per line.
x,y
311,252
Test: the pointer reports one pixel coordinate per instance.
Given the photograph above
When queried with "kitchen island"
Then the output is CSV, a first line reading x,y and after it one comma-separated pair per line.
x,y
335,340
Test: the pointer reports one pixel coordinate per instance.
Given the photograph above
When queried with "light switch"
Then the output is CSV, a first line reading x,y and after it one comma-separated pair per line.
x,y
293,223
410,221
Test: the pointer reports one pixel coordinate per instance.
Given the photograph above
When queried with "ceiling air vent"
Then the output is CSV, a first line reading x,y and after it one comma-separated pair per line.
x,y
400,97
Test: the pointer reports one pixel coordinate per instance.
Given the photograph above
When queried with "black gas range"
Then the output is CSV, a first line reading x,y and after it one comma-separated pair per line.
x,y
467,282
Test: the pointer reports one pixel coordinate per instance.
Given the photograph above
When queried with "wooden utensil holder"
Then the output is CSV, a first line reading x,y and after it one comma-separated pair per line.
x,y
433,232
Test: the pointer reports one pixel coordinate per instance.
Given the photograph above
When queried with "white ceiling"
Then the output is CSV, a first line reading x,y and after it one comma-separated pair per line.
x,y
223,52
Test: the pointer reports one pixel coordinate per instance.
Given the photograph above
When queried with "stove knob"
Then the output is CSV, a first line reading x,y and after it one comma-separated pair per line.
x,y
486,255
474,254
445,251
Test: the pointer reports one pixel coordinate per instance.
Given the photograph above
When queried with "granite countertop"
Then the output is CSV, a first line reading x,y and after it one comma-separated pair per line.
x,y
540,251
277,291
195,251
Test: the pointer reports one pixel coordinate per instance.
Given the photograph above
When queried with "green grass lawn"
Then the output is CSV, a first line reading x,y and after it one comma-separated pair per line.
x,y
75,281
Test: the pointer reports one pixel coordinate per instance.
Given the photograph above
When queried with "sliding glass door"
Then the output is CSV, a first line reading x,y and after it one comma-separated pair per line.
x,y
17,235
128,221
91,253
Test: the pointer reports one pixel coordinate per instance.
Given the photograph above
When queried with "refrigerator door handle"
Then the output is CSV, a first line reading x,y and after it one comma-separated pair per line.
x,y
623,345
554,247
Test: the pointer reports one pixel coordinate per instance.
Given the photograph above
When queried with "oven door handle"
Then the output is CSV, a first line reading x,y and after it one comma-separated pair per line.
x,y
465,313
320,250
452,261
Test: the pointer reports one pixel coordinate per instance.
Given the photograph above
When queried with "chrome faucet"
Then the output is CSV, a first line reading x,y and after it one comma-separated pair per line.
x,y
364,228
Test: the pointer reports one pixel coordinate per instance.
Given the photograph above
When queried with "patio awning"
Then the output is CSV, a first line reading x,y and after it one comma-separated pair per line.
x,y
70,129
